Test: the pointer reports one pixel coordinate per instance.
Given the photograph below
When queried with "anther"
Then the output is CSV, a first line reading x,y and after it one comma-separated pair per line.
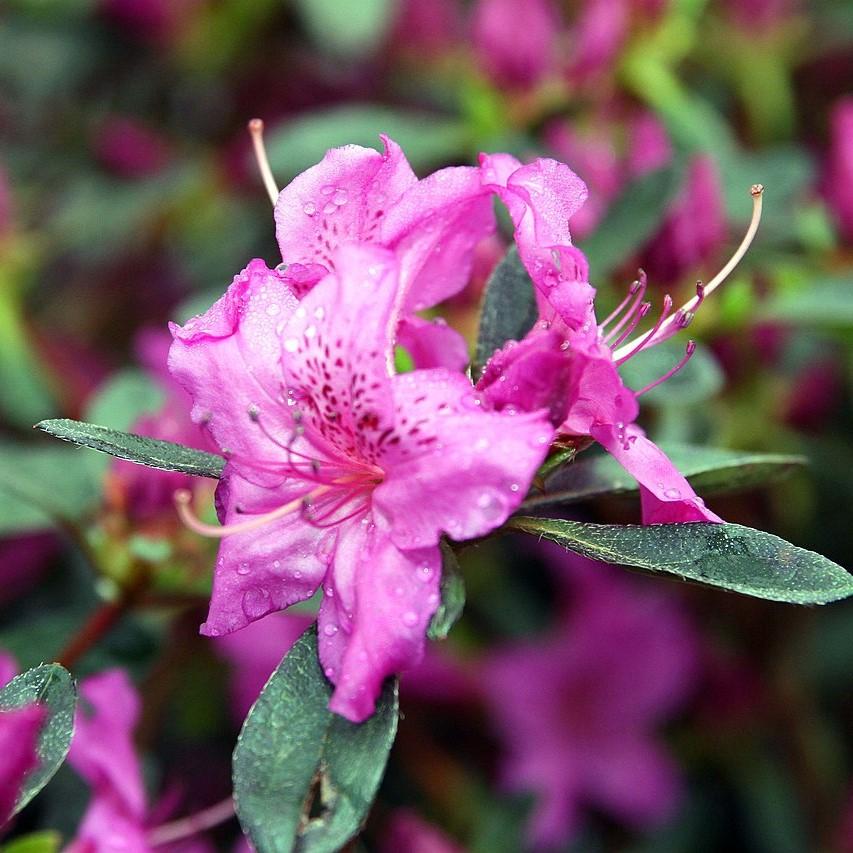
x,y
256,130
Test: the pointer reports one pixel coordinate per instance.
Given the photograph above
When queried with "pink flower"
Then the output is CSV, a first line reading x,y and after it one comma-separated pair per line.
x,y
694,230
568,364
341,475
358,195
838,180
102,753
410,833
620,664
159,21
147,492
128,149
598,37
515,40
23,561
426,27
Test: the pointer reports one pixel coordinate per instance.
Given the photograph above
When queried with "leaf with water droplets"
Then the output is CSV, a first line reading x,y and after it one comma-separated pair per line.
x,y
136,448
509,308
452,596
725,555
51,686
304,778
710,470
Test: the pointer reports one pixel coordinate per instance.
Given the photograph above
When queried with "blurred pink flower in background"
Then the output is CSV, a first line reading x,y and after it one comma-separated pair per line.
x,y
6,205
158,21
426,27
838,178
597,37
23,561
578,709
515,40
128,149
759,15
408,833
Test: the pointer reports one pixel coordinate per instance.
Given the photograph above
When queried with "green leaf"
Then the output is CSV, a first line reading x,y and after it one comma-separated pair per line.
x,y
710,470
633,218
698,380
46,841
724,555
428,139
41,485
50,685
509,308
367,22
827,302
136,448
452,596
304,778
123,398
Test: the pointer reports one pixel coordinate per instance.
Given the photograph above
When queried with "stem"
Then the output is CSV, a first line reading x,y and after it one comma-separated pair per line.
x,y
96,627
193,824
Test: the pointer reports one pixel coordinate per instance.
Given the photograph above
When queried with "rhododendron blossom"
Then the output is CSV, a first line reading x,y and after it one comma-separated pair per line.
x,y
341,475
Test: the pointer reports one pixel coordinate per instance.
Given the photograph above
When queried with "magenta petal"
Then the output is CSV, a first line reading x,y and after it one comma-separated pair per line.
x,y
432,343
102,751
268,569
395,595
19,732
108,828
838,179
342,199
460,470
666,496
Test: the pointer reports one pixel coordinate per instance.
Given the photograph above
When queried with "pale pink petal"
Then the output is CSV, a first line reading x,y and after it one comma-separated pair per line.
x,y
102,750
19,733
666,495
396,594
267,569
457,469
341,200
432,343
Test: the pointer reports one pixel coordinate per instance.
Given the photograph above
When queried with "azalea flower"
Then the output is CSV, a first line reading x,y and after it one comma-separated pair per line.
x,y
19,734
621,663
342,476
838,180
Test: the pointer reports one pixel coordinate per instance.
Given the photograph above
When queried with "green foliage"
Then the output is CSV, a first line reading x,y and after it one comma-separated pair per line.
x,y
452,596
136,448
51,686
725,555
509,308
427,139
709,470
46,841
124,397
304,777
826,301
367,23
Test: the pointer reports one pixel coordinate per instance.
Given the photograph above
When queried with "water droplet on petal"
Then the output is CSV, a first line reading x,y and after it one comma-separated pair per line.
x,y
410,618
309,208
256,602
672,494
243,569
330,630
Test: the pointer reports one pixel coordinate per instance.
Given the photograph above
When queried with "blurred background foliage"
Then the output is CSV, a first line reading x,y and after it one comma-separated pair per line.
x,y
128,197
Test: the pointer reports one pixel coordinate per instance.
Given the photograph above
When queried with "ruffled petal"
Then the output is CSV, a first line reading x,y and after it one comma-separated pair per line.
x,y
666,496
342,199
451,467
395,594
432,343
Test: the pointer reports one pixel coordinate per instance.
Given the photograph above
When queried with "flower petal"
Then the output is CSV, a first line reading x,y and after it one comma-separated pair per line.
x,y
451,466
341,200
432,343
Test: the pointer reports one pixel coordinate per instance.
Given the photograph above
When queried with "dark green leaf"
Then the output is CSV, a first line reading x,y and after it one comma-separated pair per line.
x,y
709,470
50,685
136,448
304,778
698,380
632,219
427,139
509,308
40,485
724,555
452,596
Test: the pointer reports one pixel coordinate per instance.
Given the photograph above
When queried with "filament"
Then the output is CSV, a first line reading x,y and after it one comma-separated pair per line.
x,y
256,130
667,307
671,325
640,290
691,348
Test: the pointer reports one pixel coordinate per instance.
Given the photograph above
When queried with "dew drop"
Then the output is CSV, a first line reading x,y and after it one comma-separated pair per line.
x,y
425,573
329,208
291,344
340,197
255,602
330,630
410,618
243,569
672,494
309,208
273,308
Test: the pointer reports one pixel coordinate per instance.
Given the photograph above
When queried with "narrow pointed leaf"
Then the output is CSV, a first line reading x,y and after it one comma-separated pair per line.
x,y
725,555
710,470
509,308
293,750
452,596
136,448
51,686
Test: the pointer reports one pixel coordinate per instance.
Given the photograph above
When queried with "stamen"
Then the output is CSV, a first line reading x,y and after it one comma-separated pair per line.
x,y
639,315
640,290
183,499
256,130
670,327
691,348
664,314
632,290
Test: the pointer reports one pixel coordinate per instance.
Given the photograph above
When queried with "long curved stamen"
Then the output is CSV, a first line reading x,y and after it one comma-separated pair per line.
x,y
183,499
256,130
654,336
662,317
632,290
631,312
638,315
691,348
